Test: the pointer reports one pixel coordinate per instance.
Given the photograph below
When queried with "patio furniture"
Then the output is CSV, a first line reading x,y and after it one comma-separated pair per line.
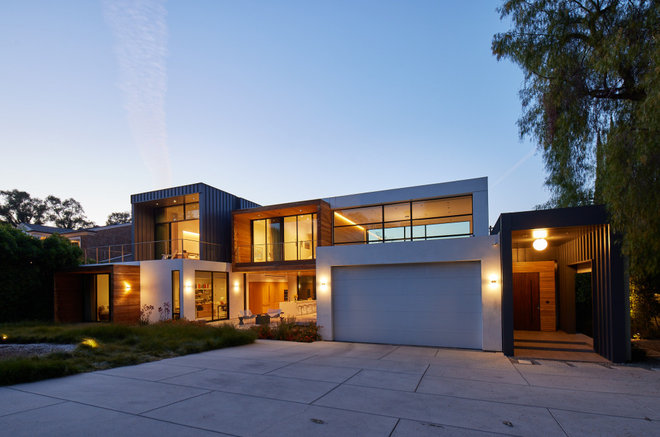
x,y
262,319
274,313
243,315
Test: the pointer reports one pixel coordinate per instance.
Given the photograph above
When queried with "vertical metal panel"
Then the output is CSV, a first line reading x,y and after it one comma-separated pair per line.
x,y
215,207
507,285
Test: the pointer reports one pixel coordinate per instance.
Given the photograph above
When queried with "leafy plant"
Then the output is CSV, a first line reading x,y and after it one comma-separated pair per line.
x,y
145,313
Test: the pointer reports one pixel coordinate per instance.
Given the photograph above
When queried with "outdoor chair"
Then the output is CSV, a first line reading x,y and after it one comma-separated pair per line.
x,y
245,315
274,313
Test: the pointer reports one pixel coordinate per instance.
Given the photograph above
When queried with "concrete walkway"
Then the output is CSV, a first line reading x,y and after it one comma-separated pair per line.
x,y
339,389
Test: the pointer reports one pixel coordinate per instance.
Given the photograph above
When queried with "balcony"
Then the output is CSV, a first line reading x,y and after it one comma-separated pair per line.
x,y
289,255
157,249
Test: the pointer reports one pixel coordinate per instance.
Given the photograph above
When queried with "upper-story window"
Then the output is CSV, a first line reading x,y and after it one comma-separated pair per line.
x,y
289,238
177,228
428,219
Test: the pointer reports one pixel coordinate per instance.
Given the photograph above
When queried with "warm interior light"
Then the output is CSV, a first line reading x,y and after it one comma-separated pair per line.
x,y
540,244
190,235
539,233
347,220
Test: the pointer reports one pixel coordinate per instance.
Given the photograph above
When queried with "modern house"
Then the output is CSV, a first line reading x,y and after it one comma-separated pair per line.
x,y
416,266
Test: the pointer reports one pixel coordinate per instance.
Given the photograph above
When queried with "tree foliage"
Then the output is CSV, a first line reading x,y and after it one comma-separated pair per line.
x,y
67,213
27,266
118,218
591,101
19,207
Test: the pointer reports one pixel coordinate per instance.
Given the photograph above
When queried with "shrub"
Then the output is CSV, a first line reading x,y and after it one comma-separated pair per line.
x,y
27,265
289,330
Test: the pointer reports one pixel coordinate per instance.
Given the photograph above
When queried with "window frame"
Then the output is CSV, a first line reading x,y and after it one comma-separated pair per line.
x,y
408,228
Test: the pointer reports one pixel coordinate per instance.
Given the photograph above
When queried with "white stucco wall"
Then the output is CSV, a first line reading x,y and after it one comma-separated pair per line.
x,y
156,284
478,187
484,249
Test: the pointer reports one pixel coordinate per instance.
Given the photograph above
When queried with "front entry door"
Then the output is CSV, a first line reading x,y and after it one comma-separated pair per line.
x,y
526,302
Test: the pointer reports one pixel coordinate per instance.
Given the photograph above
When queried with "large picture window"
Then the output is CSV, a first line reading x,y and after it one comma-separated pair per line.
x,y
177,229
289,238
211,298
404,221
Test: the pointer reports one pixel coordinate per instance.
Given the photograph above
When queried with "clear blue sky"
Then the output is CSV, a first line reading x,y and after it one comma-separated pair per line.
x,y
274,101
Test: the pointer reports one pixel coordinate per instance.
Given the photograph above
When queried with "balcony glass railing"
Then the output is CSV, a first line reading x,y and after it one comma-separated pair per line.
x,y
157,249
287,251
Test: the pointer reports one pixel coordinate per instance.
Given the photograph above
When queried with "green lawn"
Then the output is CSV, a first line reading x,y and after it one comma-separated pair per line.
x,y
103,346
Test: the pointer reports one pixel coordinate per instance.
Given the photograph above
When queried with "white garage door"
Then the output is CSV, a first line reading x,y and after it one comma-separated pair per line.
x,y
434,304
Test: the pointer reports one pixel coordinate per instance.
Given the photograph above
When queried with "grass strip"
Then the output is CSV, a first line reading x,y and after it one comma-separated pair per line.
x,y
113,345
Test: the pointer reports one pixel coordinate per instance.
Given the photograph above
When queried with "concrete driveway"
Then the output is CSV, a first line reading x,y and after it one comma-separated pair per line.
x,y
339,389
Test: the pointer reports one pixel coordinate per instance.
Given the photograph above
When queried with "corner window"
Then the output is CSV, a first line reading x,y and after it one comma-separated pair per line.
x,y
404,221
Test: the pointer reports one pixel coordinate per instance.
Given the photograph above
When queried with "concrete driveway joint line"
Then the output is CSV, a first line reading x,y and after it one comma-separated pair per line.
x,y
334,388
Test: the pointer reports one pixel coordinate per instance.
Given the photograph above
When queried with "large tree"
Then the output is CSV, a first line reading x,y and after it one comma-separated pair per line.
x,y
19,207
591,101
67,213
118,218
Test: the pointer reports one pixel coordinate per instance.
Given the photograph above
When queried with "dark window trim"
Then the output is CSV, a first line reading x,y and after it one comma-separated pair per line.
x,y
213,292
172,285
281,218
411,221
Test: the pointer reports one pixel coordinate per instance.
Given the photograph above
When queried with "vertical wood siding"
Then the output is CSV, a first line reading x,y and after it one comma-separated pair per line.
x,y
547,289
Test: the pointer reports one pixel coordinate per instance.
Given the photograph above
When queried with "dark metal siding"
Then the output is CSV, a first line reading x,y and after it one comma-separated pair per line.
x,y
608,290
609,282
215,207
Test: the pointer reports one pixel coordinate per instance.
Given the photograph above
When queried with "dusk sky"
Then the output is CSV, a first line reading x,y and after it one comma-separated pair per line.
x,y
273,101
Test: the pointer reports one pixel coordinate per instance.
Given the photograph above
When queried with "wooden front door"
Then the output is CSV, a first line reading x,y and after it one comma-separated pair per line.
x,y
526,302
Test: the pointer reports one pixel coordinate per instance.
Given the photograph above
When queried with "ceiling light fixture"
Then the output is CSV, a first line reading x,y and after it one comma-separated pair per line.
x,y
540,244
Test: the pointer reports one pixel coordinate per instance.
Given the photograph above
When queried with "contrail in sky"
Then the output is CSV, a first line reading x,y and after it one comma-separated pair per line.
x,y
515,166
140,31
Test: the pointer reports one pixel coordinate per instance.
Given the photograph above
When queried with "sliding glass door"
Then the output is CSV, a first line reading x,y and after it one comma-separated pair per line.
x,y
211,298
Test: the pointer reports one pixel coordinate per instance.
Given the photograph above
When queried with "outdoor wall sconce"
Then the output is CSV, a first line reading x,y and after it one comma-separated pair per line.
x,y
493,281
127,287
237,287
188,287
324,286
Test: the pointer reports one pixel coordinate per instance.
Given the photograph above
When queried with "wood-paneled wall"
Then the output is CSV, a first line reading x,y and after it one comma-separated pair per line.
x,y
547,290
125,301
324,224
68,298
124,293
266,295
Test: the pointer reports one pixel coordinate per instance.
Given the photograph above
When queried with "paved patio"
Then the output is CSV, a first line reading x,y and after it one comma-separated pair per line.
x,y
340,389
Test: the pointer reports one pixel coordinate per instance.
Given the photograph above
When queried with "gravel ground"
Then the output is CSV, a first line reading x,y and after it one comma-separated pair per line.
x,y
28,350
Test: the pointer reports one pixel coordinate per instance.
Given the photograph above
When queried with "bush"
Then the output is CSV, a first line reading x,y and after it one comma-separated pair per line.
x,y
27,265
289,330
